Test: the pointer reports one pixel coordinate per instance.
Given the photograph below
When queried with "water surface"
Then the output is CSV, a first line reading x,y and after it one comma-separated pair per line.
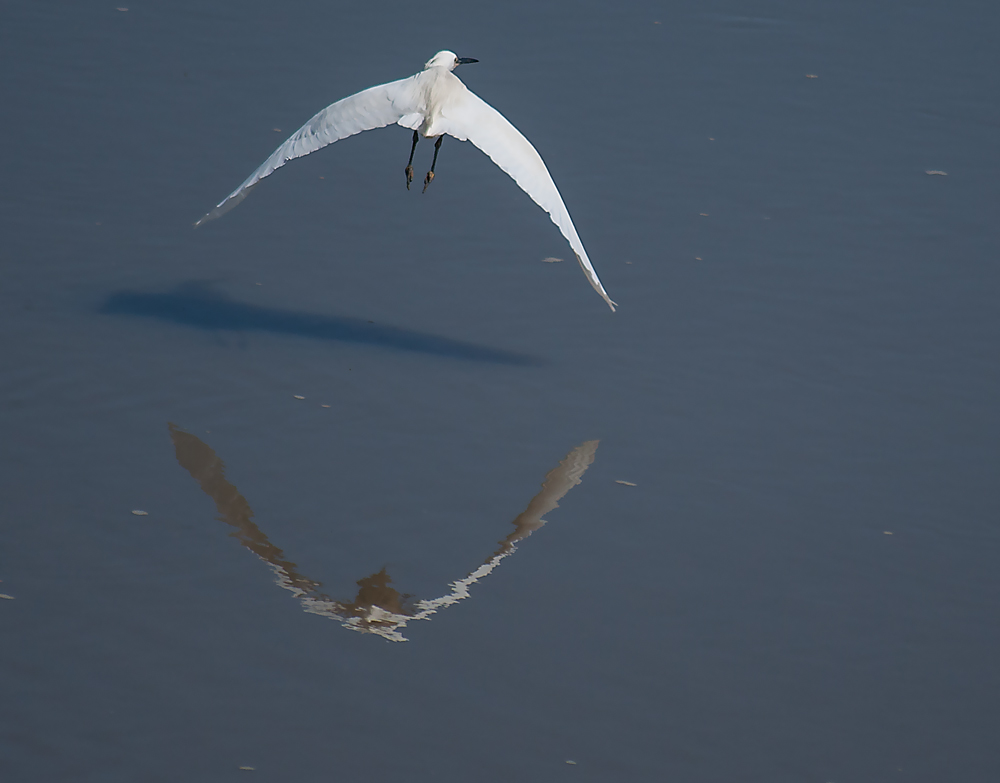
x,y
368,385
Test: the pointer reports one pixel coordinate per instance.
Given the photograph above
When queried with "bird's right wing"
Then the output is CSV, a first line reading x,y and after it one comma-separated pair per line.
x,y
469,117
375,107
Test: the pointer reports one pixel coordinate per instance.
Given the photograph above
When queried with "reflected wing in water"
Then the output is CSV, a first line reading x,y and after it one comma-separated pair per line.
x,y
558,481
205,467
377,608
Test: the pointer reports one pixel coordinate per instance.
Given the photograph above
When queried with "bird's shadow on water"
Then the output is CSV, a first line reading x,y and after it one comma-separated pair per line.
x,y
197,304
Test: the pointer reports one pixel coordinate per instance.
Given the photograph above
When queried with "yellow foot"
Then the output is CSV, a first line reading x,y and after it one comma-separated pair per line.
x,y
428,180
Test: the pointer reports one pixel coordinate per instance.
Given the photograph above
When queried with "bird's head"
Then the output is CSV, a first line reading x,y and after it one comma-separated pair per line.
x,y
447,60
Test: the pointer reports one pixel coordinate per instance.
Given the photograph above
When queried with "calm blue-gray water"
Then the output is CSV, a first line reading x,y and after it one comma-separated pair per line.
x,y
744,529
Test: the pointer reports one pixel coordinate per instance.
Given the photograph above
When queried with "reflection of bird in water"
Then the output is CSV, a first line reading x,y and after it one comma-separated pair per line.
x,y
377,608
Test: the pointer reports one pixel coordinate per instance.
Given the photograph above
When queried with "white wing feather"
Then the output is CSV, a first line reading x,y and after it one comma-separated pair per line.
x,y
375,107
466,116
433,101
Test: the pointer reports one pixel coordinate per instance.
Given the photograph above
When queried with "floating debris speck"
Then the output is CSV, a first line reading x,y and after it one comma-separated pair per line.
x,y
298,396
139,512
6,597
936,173
626,483
551,260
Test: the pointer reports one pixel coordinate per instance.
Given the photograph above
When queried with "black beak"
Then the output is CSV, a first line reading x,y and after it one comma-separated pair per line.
x,y
466,60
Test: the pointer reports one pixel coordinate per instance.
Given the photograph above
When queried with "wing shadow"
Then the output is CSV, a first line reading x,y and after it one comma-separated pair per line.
x,y
197,304
377,608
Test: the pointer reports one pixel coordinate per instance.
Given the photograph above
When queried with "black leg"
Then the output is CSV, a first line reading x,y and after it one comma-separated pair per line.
x,y
430,174
409,163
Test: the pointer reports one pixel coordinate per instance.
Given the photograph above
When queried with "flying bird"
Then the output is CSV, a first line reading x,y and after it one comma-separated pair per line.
x,y
431,103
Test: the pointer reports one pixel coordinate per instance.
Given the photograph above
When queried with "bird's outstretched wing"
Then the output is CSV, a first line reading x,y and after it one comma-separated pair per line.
x,y
469,117
375,107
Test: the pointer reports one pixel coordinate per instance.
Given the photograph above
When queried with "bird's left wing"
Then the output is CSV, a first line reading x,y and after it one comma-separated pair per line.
x,y
375,107
468,117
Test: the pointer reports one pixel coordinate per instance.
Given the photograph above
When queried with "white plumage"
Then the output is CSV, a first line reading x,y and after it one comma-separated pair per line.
x,y
432,102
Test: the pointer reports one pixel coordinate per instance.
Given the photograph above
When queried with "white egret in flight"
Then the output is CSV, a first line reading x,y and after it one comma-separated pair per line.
x,y
431,103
